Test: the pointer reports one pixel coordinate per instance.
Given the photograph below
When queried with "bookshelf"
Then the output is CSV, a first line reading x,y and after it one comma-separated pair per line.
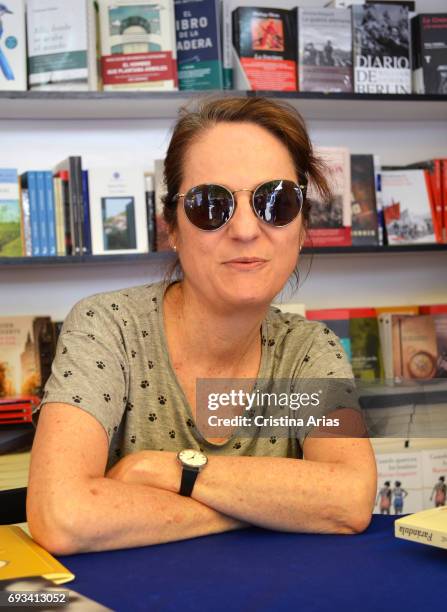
x,y
158,105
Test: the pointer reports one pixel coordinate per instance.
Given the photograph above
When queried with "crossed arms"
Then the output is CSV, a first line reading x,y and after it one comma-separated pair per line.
x,y
75,506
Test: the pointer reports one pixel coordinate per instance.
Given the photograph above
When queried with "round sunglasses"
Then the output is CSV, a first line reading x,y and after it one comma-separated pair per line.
x,y
210,206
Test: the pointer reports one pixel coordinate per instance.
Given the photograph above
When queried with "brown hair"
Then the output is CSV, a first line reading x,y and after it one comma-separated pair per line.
x,y
279,118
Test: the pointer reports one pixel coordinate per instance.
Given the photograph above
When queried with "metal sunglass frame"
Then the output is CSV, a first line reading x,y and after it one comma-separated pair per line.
x,y
302,187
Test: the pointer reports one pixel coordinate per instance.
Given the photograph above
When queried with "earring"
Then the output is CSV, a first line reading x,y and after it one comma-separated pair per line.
x,y
174,247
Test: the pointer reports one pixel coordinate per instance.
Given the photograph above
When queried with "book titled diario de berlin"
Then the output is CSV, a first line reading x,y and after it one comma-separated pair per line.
x,y
381,46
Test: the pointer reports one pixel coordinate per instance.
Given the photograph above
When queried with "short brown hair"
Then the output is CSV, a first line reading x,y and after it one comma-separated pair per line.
x,y
277,117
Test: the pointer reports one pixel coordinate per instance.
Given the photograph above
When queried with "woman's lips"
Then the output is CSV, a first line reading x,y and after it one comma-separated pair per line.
x,y
246,263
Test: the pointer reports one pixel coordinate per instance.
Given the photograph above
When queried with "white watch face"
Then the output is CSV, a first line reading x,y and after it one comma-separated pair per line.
x,y
193,458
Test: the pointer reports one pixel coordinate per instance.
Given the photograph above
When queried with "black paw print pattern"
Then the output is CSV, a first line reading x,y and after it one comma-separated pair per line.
x,y
77,399
101,365
115,306
190,423
144,333
115,429
272,440
330,373
326,330
106,397
152,417
144,384
91,336
64,350
90,313
331,342
339,355
122,367
68,373
237,445
271,342
263,340
124,322
172,434
129,406
133,439
133,353
150,365
162,400
306,358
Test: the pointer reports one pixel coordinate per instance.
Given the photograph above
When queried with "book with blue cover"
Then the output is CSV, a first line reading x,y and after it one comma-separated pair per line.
x,y
49,212
42,213
13,72
199,57
29,185
10,215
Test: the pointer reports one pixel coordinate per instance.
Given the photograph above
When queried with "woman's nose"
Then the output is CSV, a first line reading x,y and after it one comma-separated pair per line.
x,y
244,224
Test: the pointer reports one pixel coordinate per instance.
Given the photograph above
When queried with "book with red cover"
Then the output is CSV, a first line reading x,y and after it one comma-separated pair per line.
x,y
433,173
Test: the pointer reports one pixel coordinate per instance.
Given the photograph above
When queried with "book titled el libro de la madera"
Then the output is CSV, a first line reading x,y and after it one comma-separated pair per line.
x,y
325,50
138,45
264,41
199,57
62,45
429,40
381,47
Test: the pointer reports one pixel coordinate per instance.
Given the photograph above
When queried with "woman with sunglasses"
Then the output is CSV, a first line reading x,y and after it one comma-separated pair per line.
x,y
120,458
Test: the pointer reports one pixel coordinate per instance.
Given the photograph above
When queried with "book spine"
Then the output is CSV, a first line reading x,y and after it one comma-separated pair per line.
x,y
26,223
75,209
58,214
379,201
50,216
444,198
34,214
40,177
417,71
424,535
87,236
68,214
227,53
150,211
429,184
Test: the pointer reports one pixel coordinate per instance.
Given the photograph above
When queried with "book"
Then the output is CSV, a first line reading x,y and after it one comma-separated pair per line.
x,y
381,48
381,229
70,171
365,344
59,216
429,56
118,210
264,40
434,468
26,347
13,71
28,182
25,558
403,472
138,45
42,213
11,243
199,53
86,226
325,50
49,212
150,209
26,221
444,198
330,221
426,527
414,347
161,227
438,312
62,49
337,319
407,207
364,204
433,174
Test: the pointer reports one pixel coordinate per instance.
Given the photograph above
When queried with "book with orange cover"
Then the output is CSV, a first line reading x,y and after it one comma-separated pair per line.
x,y
21,557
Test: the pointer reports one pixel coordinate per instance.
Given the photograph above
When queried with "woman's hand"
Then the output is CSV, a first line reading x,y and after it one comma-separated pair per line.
x,y
157,469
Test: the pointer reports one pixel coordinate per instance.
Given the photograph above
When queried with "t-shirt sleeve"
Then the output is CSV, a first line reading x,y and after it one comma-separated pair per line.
x,y
90,369
326,372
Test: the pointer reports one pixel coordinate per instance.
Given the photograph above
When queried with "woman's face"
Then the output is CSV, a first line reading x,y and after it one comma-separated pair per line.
x,y
238,156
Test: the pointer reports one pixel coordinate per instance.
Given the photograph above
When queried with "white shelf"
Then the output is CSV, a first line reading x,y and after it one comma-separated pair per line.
x,y
156,105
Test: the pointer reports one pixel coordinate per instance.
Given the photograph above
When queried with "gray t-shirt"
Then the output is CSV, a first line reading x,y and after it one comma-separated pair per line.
x,y
112,361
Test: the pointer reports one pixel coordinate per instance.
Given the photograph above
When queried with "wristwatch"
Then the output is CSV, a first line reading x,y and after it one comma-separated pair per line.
x,y
193,462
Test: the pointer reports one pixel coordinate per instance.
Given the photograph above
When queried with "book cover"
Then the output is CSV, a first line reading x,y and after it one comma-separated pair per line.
x,y
42,213
59,216
13,71
426,527
415,351
364,207
118,211
138,45
325,50
26,221
28,181
330,221
433,173
23,340
161,227
337,319
61,45
429,57
50,213
365,344
403,473
21,557
438,313
434,466
199,55
264,40
407,207
381,48
379,201
74,205
11,244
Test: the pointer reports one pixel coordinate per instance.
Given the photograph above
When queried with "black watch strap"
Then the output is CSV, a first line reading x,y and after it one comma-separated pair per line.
x,y
188,479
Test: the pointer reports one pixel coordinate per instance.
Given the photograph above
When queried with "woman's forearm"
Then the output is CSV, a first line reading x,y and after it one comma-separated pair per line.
x,y
105,514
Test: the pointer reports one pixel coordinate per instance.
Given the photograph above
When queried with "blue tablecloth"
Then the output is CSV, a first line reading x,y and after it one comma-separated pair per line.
x,y
259,570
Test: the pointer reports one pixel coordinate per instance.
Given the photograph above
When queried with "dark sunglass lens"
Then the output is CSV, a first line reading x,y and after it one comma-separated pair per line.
x,y
278,202
208,207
